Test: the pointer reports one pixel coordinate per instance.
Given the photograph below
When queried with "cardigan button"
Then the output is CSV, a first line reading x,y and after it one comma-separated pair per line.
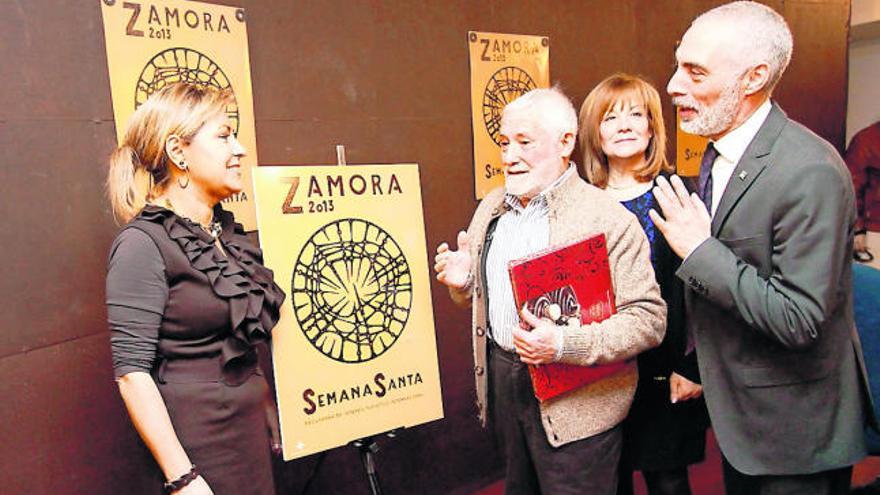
x,y
478,291
480,332
478,370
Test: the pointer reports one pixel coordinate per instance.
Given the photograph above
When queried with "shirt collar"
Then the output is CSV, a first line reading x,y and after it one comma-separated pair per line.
x,y
541,198
733,145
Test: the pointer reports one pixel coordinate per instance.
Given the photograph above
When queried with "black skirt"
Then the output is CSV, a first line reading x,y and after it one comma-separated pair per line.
x,y
222,427
659,435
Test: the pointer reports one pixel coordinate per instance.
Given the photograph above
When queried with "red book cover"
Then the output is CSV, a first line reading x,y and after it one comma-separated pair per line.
x,y
570,285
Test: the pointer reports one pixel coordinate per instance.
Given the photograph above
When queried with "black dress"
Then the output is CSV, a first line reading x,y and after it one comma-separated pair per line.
x,y
659,435
190,316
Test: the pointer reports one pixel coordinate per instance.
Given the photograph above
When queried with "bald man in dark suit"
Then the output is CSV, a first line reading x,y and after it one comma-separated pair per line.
x,y
766,242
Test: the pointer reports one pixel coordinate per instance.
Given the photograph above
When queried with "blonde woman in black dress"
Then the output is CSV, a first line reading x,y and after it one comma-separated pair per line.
x,y
188,298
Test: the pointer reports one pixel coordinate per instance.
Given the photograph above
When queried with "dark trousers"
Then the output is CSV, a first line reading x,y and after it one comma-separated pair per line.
x,y
667,482
834,482
533,466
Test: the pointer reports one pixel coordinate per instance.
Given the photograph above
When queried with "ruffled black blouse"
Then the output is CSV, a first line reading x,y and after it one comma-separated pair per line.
x,y
172,294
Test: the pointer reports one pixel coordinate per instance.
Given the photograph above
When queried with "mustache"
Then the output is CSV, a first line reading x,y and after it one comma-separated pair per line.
x,y
684,101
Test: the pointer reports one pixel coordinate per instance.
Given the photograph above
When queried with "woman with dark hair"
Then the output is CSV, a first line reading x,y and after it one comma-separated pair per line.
x,y
623,140
188,298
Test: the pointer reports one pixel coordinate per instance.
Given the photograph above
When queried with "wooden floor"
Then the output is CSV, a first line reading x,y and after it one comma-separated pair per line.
x,y
706,476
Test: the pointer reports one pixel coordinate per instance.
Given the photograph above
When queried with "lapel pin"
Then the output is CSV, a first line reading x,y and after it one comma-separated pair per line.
x,y
743,175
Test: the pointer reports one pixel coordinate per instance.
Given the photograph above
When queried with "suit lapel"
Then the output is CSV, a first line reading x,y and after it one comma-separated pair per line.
x,y
750,166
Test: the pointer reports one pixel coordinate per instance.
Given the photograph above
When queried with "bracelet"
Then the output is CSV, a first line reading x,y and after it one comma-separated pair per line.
x,y
173,486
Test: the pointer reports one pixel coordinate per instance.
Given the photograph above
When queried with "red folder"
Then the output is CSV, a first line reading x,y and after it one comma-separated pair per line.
x,y
571,285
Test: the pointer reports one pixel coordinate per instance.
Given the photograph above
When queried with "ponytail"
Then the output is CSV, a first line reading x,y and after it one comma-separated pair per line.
x,y
127,197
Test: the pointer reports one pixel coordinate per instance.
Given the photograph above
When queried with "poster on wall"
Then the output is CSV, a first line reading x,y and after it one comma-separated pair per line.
x,y
689,150
354,351
153,43
503,67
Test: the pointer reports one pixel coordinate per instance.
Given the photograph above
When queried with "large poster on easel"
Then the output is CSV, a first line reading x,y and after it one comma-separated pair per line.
x,y
153,43
354,352
503,67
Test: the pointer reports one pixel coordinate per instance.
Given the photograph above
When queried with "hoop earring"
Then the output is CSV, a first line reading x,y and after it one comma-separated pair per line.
x,y
185,168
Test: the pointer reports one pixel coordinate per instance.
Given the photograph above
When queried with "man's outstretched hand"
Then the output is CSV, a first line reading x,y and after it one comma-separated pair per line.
x,y
454,267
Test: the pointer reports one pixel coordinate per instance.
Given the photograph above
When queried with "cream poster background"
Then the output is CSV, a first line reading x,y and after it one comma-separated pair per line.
x,y
689,150
354,351
503,66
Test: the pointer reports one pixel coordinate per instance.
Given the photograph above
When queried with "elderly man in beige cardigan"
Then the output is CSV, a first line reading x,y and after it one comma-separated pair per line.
x,y
571,443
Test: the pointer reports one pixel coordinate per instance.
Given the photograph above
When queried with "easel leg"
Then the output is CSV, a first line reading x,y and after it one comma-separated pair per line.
x,y
368,448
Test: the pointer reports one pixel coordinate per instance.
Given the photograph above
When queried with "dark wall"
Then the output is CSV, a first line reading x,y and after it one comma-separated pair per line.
x,y
387,79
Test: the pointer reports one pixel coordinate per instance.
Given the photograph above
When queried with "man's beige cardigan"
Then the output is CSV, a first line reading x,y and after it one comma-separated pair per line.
x,y
576,210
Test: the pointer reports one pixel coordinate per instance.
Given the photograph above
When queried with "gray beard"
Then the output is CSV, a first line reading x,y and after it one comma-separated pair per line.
x,y
715,119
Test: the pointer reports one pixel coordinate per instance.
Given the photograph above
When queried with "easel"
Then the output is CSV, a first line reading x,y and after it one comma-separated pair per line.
x,y
367,446
340,155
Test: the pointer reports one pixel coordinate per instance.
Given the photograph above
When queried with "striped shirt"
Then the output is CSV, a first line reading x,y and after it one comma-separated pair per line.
x,y
521,231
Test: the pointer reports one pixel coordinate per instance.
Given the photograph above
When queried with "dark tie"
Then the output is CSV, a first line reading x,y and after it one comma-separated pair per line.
x,y
705,193
705,183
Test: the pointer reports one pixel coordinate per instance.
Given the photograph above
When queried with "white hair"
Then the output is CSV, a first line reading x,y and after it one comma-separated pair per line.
x,y
763,35
553,110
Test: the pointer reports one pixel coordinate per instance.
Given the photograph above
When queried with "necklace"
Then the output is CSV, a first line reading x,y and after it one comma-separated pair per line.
x,y
624,188
627,193
213,229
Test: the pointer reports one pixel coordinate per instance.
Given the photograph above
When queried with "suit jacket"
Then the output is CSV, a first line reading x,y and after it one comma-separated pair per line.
x,y
769,302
